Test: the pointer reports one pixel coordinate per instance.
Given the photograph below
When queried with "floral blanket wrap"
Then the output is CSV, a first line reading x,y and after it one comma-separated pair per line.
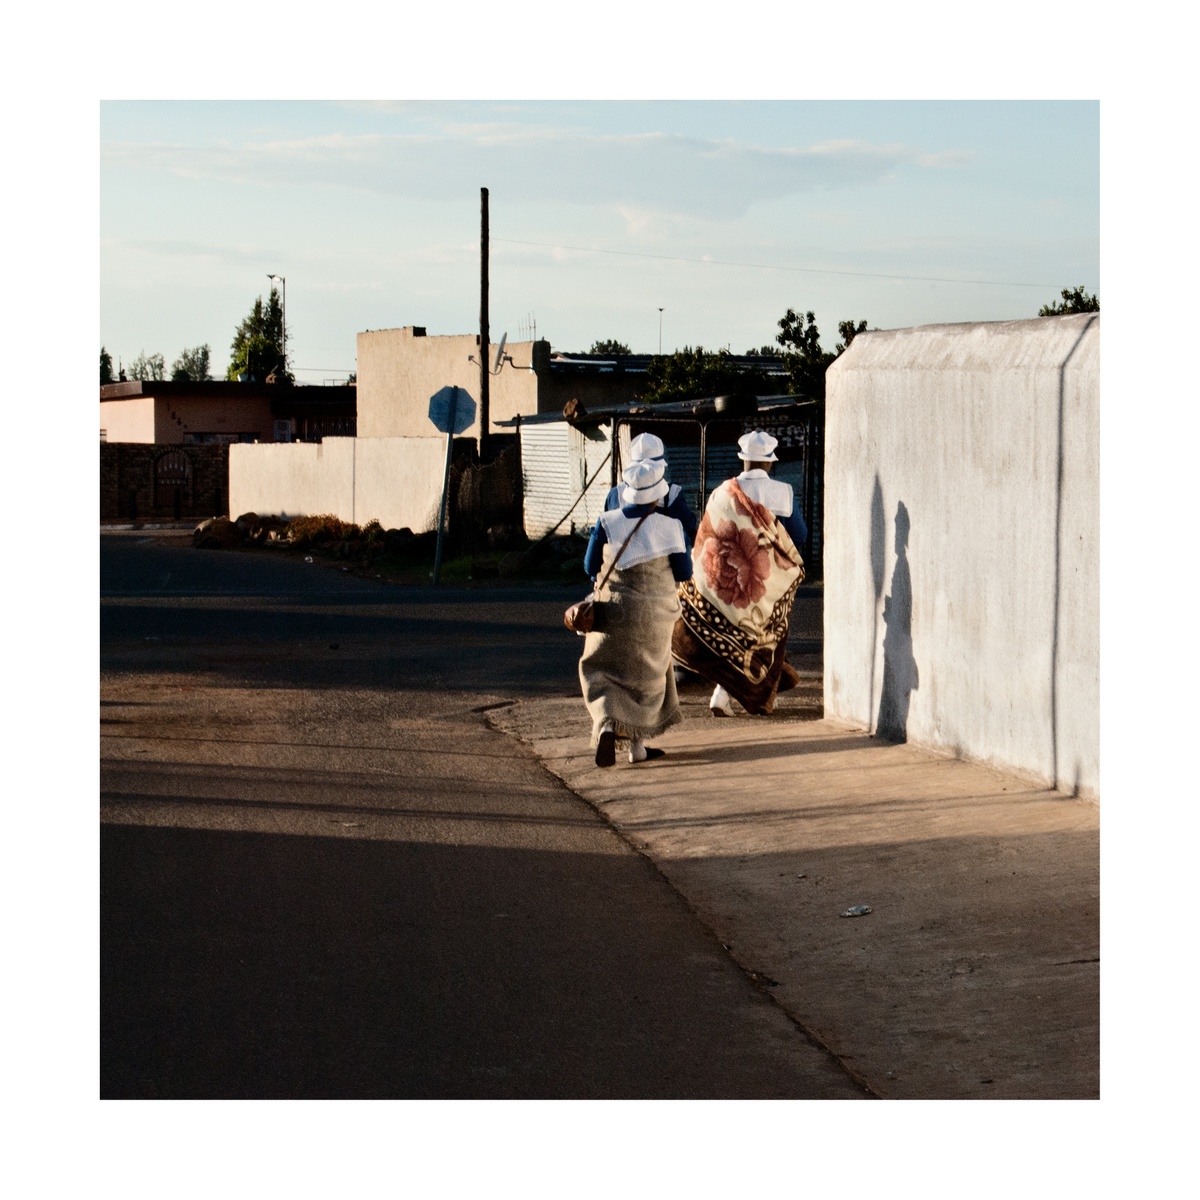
x,y
737,607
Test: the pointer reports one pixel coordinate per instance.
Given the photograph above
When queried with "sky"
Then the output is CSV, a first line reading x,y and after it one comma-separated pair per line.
x,y
720,213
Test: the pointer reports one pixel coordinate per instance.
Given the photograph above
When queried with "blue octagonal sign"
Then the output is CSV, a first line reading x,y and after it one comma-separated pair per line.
x,y
452,410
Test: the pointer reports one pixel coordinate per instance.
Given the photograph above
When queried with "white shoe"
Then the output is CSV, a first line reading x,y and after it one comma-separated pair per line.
x,y
720,703
640,753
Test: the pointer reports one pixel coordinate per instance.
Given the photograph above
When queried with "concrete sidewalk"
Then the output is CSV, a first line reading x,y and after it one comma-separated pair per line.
x,y
976,973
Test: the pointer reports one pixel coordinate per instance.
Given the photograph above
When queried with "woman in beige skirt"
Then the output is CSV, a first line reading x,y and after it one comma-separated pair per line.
x,y
640,555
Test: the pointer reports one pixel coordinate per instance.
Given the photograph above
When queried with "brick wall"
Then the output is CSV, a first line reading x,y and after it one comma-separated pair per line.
x,y
128,482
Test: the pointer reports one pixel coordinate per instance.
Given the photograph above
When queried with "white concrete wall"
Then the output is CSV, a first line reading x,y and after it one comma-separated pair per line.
x,y
396,481
976,628
399,481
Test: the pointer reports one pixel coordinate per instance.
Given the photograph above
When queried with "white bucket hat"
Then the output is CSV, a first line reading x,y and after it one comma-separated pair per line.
x,y
757,447
645,446
644,481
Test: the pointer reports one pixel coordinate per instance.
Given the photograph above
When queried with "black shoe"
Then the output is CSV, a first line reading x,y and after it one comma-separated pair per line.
x,y
652,752
606,749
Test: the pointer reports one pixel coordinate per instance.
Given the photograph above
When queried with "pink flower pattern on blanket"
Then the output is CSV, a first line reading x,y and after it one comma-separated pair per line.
x,y
744,506
735,565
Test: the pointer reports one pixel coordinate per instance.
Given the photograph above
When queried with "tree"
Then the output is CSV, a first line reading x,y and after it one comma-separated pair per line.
x,y
106,375
258,347
609,346
1074,300
847,330
147,368
191,366
690,374
806,361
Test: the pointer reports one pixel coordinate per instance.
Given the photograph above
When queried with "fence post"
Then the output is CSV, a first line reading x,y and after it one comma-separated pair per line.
x,y
437,557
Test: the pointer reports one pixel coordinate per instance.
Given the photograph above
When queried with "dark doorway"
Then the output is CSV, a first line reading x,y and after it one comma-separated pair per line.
x,y
173,482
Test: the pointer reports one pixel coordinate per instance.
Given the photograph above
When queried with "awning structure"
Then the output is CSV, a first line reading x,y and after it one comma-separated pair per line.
x,y
701,410
700,413
797,422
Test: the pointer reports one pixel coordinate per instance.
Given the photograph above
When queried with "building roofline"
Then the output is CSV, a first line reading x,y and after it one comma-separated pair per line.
x,y
133,389
700,409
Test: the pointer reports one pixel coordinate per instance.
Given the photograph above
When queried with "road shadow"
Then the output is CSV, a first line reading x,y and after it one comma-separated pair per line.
x,y
241,965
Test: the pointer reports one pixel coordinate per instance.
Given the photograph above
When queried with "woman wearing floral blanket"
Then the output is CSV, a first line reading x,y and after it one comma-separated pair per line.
x,y
737,607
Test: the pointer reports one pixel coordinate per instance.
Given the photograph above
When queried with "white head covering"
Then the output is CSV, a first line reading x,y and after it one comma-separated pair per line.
x,y
644,446
645,481
757,447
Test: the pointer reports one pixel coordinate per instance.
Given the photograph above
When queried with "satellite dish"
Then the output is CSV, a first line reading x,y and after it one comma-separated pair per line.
x,y
499,353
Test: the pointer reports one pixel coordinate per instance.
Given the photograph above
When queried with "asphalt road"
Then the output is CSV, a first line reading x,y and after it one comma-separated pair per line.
x,y
324,875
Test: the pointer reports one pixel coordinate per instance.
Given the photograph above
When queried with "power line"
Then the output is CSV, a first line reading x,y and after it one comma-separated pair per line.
x,y
719,262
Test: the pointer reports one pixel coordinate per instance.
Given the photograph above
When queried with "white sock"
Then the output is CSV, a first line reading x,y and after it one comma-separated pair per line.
x,y
720,698
637,750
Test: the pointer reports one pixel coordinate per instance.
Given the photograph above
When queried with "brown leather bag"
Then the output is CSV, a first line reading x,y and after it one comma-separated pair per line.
x,y
581,617
588,615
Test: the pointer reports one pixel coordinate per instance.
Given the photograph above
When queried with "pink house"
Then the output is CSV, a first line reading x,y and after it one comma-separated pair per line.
x,y
169,413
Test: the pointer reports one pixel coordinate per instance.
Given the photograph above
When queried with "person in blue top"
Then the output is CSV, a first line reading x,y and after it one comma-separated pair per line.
x,y
648,448
637,557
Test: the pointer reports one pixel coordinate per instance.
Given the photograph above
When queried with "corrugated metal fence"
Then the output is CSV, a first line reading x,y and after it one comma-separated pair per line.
x,y
557,463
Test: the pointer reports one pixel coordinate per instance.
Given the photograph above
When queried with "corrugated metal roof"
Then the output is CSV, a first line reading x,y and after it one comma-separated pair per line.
x,y
638,364
674,410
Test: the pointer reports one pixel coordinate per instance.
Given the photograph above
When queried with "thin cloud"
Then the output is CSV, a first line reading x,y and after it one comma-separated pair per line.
x,y
171,247
650,172
947,158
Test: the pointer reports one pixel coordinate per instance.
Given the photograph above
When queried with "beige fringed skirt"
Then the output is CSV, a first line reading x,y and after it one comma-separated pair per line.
x,y
626,670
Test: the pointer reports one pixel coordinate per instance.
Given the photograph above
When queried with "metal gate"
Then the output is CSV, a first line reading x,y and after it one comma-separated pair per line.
x,y
702,451
173,482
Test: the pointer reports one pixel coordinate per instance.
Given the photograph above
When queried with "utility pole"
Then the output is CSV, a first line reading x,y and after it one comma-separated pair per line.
x,y
660,332
485,413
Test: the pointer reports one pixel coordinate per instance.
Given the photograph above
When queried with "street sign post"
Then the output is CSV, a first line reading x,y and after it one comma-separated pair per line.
x,y
452,411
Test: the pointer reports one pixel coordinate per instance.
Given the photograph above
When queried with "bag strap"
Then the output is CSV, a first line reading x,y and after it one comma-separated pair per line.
x,y
612,566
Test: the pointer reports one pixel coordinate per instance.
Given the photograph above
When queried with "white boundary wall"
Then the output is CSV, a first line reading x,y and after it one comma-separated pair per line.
x,y
962,507
396,481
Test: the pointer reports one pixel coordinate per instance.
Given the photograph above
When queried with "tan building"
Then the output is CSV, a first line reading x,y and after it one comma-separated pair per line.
x,y
170,413
393,469
399,370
